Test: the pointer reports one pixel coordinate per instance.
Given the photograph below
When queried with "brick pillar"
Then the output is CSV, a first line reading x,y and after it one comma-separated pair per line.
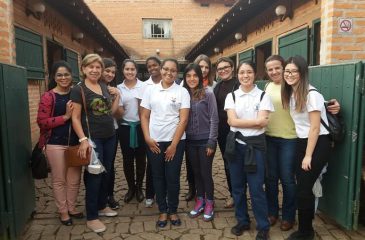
x,y
337,47
7,44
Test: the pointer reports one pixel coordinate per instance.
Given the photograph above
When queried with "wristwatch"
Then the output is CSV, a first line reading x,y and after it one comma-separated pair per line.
x,y
82,139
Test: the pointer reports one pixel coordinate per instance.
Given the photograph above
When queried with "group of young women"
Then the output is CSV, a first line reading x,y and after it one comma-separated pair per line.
x,y
269,136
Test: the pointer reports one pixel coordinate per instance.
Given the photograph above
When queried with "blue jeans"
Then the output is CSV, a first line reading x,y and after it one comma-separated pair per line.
x,y
281,165
255,181
166,177
96,185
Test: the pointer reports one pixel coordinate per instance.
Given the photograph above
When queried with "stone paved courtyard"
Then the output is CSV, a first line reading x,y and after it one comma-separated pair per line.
x,y
135,222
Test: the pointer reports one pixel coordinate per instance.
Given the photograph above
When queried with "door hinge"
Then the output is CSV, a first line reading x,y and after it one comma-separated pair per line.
x,y
355,207
361,84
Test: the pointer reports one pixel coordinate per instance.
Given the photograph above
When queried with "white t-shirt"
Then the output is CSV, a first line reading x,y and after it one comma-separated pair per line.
x,y
165,105
129,100
147,84
315,102
247,106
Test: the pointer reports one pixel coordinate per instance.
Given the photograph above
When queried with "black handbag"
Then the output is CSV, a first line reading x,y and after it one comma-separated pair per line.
x,y
39,163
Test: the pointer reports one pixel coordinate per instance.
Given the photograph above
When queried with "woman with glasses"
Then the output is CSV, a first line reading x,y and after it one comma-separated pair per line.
x,y
130,132
306,106
164,116
54,114
248,110
228,83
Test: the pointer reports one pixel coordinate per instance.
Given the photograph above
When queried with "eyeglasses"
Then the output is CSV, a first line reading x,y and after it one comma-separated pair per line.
x,y
65,75
292,72
223,68
173,71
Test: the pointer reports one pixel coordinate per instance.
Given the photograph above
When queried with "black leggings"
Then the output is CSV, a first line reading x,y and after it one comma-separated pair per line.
x,y
223,131
306,179
202,168
129,154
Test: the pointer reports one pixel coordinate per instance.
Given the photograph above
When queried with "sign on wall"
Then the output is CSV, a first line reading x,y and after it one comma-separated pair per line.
x,y
345,25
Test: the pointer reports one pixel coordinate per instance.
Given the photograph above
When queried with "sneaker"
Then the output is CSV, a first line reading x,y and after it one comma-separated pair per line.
x,y
262,235
297,235
149,202
239,229
229,203
198,208
107,212
96,226
208,210
112,203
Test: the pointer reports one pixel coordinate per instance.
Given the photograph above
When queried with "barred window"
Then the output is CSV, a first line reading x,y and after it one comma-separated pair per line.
x,y
157,28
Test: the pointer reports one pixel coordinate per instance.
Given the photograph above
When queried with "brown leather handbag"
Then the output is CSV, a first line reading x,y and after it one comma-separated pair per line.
x,y
71,154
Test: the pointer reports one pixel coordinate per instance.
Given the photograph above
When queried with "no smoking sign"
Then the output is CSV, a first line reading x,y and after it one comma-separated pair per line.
x,y
345,25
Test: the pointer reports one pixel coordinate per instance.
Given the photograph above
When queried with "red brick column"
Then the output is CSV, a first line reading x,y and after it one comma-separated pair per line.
x,y
7,44
337,47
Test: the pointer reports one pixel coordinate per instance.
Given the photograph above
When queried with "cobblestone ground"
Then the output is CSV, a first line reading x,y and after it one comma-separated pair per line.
x,y
135,222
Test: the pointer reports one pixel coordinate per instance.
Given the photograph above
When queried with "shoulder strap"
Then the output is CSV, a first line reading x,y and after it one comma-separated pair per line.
x,y
267,84
86,117
322,121
262,95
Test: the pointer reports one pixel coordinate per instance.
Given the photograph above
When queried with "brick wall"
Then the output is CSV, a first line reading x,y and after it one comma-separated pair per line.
x,y
190,21
55,27
7,53
266,26
336,46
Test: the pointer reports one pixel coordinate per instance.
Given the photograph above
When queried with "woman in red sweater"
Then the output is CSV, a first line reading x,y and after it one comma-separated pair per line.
x,y
54,113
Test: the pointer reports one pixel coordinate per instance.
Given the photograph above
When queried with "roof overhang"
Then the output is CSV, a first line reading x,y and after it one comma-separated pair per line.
x,y
80,14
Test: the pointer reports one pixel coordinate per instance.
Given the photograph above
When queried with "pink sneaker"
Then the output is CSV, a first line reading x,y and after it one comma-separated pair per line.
x,y
198,208
208,210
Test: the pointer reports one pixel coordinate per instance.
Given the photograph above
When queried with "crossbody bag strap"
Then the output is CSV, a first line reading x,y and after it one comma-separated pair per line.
x,y
85,109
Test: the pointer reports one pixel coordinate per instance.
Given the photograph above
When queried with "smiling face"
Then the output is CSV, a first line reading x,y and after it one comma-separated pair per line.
x,y
153,68
130,71
92,71
169,72
246,76
225,71
63,78
192,79
204,66
291,75
109,74
274,70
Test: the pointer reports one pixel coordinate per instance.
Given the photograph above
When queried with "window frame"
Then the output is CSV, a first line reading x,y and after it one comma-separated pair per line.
x,y
165,22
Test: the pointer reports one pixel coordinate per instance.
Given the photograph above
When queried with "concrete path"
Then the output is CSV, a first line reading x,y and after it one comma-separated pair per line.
x,y
135,222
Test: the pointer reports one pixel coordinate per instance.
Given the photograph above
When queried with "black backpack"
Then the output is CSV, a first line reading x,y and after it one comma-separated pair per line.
x,y
336,126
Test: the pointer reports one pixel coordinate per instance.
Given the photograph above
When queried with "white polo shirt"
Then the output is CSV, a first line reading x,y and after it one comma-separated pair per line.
x,y
247,106
165,105
315,102
129,100
147,84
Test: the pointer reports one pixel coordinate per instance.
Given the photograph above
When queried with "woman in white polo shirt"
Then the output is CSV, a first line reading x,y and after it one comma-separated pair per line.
x,y
164,116
248,111
306,106
130,133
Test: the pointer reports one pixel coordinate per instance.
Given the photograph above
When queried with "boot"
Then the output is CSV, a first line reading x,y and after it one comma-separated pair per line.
x,y
198,208
139,194
129,196
191,193
208,210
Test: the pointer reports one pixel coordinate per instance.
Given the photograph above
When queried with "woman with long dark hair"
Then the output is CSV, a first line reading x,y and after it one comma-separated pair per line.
x,y
54,114
306,106
130,132
201,139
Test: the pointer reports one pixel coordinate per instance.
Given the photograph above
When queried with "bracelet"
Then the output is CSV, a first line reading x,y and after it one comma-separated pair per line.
x,y
82,139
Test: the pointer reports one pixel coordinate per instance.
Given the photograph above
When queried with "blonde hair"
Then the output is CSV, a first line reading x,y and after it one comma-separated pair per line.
x,y
89,59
